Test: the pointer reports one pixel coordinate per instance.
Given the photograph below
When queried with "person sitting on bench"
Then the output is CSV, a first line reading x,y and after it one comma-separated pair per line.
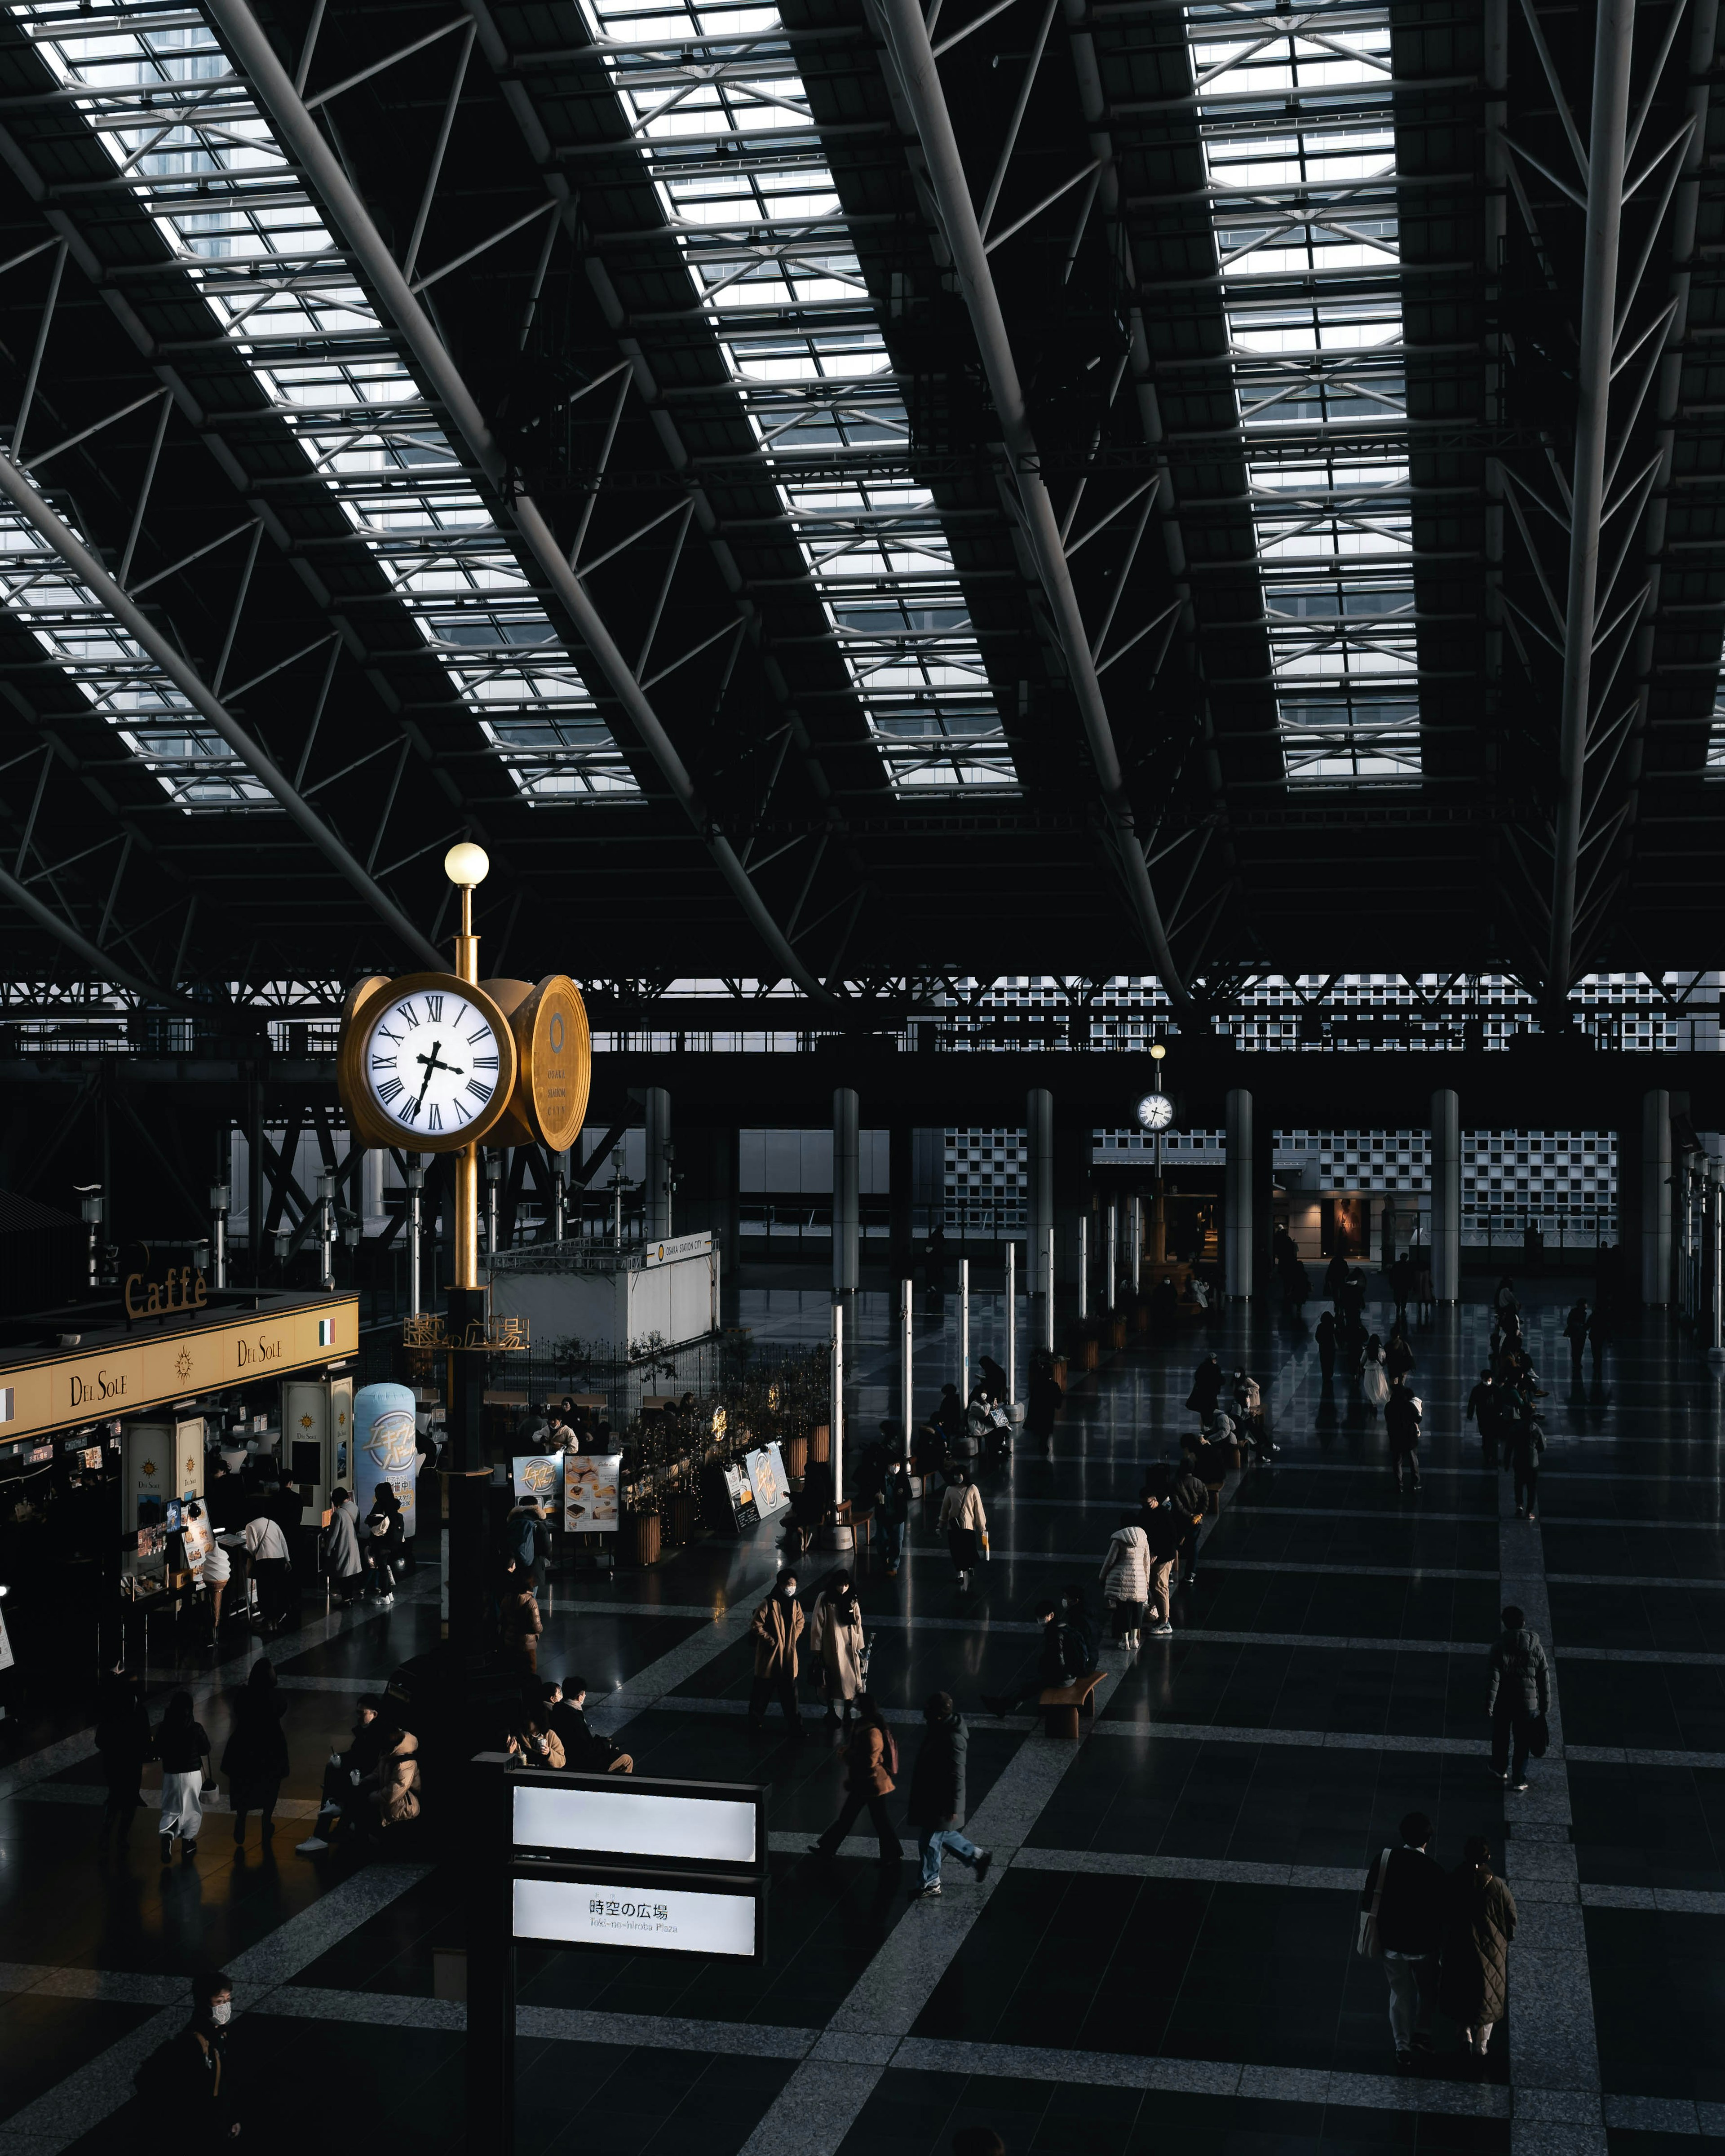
x,y
1061,1662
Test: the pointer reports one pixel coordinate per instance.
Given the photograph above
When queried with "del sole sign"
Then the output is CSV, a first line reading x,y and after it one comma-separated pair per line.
x,y
126,1375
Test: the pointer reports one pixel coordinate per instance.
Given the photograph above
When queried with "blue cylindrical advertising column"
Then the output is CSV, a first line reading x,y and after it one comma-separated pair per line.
x,y
384,1453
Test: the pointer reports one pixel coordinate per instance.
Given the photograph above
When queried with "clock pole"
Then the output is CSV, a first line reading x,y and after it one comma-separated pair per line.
x,y
466,865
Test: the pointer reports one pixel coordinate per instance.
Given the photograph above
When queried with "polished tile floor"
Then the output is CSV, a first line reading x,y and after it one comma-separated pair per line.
x,y
1161,1958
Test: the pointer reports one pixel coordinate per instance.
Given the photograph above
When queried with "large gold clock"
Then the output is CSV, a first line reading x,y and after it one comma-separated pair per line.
x,y
553,1057
428,1061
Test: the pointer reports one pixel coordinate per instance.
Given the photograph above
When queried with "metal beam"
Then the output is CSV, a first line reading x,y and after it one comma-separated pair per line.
x,y
252,52
21,493
1614,39
920,78
99,962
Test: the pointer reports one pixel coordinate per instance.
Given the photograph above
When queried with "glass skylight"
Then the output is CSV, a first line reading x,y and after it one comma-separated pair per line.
x,y
154,88
1300,148
723,123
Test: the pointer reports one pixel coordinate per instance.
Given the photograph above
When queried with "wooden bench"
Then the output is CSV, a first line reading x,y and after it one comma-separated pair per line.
x,y
1062,1705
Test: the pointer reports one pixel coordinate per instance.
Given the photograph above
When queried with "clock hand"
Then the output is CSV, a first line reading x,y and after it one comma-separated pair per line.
x,y
431,1064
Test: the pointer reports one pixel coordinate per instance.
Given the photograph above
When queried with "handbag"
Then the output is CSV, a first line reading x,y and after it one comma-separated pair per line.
x,y
1538,1736
1367,1944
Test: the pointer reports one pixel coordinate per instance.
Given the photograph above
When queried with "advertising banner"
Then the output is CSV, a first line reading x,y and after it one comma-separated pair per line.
x,y
539,1475
767,1478
383,1450
590,1492
739,1489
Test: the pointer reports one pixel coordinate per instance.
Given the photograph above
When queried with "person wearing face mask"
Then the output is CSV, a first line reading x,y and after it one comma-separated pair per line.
x,y
185,2088
777,1629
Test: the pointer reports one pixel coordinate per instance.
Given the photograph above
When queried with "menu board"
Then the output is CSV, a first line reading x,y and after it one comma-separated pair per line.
x,y
739,1489
538,1475
767,1479
591,1496
7,1656
197,1540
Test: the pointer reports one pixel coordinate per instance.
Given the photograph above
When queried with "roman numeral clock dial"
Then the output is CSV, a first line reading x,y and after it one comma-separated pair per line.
x,y
428,1063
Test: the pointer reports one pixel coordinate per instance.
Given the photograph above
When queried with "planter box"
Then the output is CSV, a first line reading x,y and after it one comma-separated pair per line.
x,y
644,1532
1117,1333
796,1458
820,1445
1090,1356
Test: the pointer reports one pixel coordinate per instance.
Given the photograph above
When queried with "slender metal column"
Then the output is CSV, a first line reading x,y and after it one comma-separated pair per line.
x,y
1012,1323
1614,38
963,1331
906,1357
1239,1211
1447,1194
1656,1197
255,58
919,75
847,1201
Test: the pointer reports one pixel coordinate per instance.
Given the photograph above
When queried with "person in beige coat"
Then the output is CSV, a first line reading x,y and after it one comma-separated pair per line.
x,y
835,1639
966,1525
777,1626
1126,1578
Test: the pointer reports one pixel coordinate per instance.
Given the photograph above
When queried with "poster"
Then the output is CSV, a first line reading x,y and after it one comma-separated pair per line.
x,y
739,1488
6,1654
539,1475
767,1477
383,1450
198,1539
590,1492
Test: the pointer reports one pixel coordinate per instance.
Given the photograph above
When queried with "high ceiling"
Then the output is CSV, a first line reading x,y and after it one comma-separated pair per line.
x,y
837,494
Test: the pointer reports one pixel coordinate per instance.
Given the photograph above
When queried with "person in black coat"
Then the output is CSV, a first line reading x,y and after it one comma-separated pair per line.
x,y
185,2088
123,1741
1043,1403
255,1759
1059,1661
935,1809
1410,1891
1325,1335
563,1708
1206,1388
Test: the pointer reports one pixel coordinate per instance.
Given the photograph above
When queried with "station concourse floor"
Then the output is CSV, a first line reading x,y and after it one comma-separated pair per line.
x,y
1162,1957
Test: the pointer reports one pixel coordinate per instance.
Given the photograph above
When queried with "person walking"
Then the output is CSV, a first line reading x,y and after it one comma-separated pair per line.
x,y
1408,1891
1599,1331
123,1744
1575,1333
1162,1531
1486,1409
267,1551
1401,1425
182,1745
382,1543
1374,1376
1517,1697
186,2086
1190,1497
1124,1575
1206,1389
936,1803
967,1526
1325,1335
835,1641
895,1514
217,1571
1522,1455
1479,1924
777,1628
1042,1404
873,1759
342,1563
255,1757
521,1622
1399,1351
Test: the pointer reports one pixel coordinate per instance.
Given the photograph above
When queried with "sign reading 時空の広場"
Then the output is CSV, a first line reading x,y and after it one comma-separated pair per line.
x,y
127,1374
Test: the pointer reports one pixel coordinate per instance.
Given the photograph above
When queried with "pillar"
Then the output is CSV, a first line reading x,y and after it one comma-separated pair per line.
x,y
1445,1165
1237,1196
1039,1187
1073,1147
901,1154
847,1194
1656,1197
254,1180
656,1197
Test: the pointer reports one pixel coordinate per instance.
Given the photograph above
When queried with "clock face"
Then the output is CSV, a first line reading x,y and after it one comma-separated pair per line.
x,y
432,1064
1156,1111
